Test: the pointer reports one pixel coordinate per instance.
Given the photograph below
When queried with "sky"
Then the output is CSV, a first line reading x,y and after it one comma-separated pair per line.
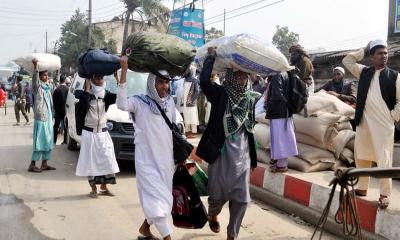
x,y
327,24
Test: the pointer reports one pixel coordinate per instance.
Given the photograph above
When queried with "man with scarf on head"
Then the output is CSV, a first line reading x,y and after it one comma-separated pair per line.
x,y
96,157
300,59
377,109
191,92
43,120
154,160
230,129
339,88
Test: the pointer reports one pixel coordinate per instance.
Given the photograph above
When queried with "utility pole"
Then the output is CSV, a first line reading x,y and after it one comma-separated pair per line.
x,y
46,41
90,24
224,21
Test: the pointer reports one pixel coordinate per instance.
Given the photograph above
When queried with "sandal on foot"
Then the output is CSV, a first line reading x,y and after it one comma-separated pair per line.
x,y
34,169
93,194
214,226
361,193
276,169
107,193
47,168
147,238
383,202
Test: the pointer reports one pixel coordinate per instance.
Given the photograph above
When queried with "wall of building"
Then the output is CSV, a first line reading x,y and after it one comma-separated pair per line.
x,y
115,30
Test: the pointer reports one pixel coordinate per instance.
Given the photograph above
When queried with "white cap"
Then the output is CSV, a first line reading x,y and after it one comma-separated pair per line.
x,y
340,69
163,72
377,43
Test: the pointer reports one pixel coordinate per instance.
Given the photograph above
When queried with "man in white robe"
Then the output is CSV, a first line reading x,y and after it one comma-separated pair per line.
x,y
154,161
378,108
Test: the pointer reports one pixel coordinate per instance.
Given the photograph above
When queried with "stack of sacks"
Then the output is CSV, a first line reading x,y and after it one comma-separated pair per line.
x,y
262,136
327,127
325,138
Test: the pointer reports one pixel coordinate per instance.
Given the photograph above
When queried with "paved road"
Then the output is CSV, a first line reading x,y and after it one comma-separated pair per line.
x,y
55,204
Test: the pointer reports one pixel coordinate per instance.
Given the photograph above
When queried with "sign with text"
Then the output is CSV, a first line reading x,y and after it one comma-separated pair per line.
x,y
397,17
188,24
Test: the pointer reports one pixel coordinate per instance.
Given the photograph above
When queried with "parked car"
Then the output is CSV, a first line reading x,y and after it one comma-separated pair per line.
x,y
119,122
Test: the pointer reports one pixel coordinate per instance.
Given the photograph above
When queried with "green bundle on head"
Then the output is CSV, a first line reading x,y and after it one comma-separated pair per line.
x,y
150,52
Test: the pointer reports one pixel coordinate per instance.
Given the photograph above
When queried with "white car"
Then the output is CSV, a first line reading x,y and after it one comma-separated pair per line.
x,y
118,122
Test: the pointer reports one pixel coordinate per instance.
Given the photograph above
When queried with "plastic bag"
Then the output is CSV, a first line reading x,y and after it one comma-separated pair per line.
x,y
245,52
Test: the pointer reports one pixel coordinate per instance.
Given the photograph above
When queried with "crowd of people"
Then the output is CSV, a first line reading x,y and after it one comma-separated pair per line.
x,y
223,108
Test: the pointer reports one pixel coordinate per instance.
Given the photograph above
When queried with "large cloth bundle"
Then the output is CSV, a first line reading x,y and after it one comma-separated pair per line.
x,y
46,62
97,62
149,52
322,101
245,52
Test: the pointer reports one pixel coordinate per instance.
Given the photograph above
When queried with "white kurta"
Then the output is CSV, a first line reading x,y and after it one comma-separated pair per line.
x,y
375,134
154,161
190,115
96,157
179,94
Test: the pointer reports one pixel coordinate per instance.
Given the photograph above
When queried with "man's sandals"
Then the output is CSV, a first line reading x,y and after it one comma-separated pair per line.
x,y
106,193
214,225
34,169
47,168
383,201
273,167
147,238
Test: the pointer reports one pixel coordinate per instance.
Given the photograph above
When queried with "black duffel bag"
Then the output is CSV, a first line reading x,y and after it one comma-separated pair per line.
x,y
97,61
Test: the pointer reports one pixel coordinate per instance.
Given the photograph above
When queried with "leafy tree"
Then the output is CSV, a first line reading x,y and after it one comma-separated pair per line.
x,y
213,33
283,39
147,10
73,40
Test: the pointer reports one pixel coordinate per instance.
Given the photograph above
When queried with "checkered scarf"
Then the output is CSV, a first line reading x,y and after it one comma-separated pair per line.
x,y
240,107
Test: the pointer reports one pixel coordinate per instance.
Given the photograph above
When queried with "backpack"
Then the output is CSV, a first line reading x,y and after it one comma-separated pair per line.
x,y
297,94
188,210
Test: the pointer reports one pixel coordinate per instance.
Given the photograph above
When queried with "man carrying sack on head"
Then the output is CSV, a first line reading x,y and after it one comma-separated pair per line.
x,y
377,109
43,123
154,159
228,144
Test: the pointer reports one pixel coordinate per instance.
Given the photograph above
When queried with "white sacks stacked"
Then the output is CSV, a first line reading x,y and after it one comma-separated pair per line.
x,y
46,62
244,52
325,138
327,128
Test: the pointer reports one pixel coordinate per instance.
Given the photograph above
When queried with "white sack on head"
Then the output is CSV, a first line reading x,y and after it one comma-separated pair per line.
x,y
244,52
46,62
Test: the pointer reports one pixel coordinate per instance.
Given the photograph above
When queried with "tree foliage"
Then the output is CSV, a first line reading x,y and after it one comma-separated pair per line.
x,y
74,40
153,11
213,33
283,39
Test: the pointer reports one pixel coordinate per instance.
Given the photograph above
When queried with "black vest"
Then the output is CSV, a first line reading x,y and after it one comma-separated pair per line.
x,y
387,83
